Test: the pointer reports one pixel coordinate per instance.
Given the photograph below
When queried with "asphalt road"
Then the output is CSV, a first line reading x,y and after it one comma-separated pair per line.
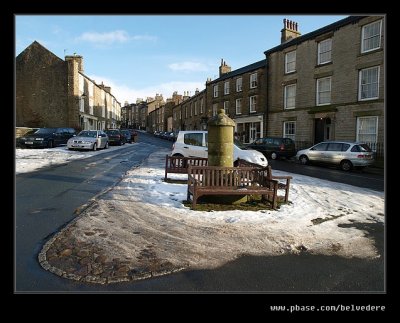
x,y
372,178
46,201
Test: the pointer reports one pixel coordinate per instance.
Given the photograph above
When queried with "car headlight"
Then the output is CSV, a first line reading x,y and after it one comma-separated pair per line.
x,y
39,139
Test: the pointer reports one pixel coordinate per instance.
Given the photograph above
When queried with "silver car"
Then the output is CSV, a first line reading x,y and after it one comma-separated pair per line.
x,y
89,139
342,153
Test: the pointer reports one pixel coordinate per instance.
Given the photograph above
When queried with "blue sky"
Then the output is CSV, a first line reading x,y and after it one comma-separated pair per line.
x,y
139,56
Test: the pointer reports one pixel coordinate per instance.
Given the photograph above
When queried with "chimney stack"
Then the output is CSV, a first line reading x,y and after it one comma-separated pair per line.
x,y
223,69
289,31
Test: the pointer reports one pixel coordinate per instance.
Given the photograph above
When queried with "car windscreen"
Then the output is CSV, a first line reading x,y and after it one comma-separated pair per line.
x,y
239,144
46,130
92,134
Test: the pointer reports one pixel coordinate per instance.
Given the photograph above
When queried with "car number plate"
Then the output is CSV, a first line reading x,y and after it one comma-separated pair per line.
x,y
28,142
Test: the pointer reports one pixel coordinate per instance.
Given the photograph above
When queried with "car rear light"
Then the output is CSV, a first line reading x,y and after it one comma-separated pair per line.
x,y
173,146
282,147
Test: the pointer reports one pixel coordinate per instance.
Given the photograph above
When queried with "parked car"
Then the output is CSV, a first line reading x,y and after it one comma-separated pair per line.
x,y
127,134
20,141
344,154
195,144
47,137
275,147
89,139
115,137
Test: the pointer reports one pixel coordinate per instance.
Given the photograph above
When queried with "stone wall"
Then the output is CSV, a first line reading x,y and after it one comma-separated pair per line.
x,y
41,89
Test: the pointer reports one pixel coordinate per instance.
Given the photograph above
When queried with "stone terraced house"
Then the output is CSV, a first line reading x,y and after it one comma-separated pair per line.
x,y
51,92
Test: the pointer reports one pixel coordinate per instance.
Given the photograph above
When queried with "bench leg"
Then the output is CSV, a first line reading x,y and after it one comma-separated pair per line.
x,y
287,195
194,200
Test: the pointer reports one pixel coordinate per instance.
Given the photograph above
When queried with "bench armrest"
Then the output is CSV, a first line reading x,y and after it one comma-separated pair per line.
x,y
281,177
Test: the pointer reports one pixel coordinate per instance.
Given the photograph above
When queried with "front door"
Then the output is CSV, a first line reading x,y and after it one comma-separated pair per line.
x,y
319,130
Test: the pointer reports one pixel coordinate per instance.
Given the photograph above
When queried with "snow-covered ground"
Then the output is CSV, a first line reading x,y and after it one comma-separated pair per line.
x,y
143,212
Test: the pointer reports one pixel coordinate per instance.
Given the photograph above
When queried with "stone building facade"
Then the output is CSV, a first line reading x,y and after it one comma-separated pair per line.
x,y
191,113
242,94
151,105
51,92
328,84
131,115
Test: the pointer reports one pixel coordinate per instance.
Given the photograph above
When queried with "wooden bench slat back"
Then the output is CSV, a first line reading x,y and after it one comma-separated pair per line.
x,y
208,176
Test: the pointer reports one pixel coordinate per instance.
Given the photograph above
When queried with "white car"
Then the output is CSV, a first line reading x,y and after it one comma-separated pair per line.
x,y
342,153
88,139
194,143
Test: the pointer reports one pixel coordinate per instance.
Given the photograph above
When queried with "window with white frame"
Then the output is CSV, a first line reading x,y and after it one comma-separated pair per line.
x,y
290,96
91,106
324,51
367,129
371,36
290,62
239,84
226,87
195,108
191,109
81,104
226,107
201,105
324,91
238,106
103,111
253,80
91,89
186,112
253,104
215,109
215,91
289,130
368,84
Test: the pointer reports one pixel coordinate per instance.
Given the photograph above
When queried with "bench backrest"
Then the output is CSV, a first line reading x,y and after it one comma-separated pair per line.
x,y
244,163
227,176
177,162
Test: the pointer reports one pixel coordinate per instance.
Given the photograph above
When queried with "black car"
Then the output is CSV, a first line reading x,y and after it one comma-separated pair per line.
x,y
115,137
46,137
274,147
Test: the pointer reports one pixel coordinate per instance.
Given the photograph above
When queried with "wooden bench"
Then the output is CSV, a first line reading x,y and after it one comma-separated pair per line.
x,y
179,165
283,181
215,180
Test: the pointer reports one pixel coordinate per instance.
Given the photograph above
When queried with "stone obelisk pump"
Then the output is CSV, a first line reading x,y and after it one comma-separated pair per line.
x,y
220,140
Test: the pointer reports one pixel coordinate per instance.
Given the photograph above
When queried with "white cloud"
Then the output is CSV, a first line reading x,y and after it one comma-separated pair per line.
x,y
125,93
117,36
188,67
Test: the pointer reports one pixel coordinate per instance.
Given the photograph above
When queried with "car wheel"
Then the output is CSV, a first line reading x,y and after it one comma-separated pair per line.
x,y
303,159
178,155
94,147
120,143
346,165
274,155
50,144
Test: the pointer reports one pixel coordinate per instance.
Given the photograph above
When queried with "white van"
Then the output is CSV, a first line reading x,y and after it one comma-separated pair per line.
x,y
194,143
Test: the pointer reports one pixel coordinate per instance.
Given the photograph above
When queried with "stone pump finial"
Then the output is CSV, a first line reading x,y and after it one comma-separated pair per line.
x,y
221,119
